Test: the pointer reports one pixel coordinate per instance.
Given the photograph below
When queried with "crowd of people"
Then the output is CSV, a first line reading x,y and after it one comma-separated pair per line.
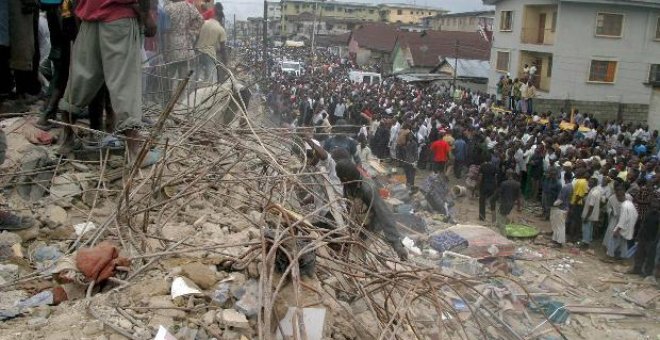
x,y
592,178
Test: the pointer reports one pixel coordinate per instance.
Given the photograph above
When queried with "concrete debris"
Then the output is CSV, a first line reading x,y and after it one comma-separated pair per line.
x,y
65,188
232,318
248,298
223,245
182,286
56,216
305,323
200,274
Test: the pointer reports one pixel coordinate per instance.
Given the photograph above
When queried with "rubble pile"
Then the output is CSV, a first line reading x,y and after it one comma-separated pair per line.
x,y
210,241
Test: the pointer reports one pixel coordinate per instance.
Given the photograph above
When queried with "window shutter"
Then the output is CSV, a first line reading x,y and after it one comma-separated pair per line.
x,y
611,68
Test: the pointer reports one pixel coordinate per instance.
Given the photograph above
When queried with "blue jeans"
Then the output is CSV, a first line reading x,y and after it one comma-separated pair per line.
x,y
587,231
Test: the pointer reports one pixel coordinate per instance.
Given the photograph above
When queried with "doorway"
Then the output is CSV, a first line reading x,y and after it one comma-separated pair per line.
x,y
541,35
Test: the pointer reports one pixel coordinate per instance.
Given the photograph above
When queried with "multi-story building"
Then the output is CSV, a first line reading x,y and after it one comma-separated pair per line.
x,y
406,13
601,56
337,17
274,18
461,22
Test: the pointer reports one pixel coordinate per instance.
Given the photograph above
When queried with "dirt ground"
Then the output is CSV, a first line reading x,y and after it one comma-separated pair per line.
x,y
587,280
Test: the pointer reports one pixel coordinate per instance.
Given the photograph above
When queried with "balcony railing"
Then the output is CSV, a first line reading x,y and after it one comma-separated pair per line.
x,y
537,36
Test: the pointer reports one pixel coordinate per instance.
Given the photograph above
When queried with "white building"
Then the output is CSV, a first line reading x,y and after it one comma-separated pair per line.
x,y
600,56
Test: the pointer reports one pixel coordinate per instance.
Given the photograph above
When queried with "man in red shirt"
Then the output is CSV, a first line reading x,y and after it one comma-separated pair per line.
x,y
108,50
440,149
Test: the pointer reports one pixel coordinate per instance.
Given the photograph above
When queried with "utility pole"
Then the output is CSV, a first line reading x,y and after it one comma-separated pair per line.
x,y
455,64
316,7
235,31
265,39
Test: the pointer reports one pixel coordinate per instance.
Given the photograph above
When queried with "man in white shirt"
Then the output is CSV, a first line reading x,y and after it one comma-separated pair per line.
x,y
422,133
532,71
340,109
625,226
519,157
591,211
394,133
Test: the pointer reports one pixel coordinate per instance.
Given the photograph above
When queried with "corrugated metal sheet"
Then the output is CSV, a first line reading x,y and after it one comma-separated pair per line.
x,y
470,68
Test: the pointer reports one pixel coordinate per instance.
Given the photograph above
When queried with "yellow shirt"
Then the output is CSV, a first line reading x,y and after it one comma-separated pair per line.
x,y
623,175
210,36
580,191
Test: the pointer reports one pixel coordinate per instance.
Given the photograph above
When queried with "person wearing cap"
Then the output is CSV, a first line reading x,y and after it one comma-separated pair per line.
x,y
567,168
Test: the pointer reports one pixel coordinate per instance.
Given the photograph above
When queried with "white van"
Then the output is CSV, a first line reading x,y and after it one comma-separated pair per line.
x,y
292,67
364,77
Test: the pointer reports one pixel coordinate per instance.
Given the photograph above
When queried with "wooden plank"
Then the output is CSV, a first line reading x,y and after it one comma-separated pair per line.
x,y
603,310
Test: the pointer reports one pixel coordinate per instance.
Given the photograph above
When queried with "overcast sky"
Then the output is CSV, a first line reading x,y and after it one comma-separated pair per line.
x,y
253,8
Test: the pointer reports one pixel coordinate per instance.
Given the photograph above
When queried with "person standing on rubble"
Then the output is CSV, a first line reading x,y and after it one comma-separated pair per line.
x,y
108,49
647,239
440,149
487,186
624,227
507,194
212,39
591,212
367,208
185,23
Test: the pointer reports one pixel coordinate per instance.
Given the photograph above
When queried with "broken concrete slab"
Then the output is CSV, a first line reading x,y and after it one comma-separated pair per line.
x,y
176,232
165,307
232,318
202,275
311,326
56,216
65,187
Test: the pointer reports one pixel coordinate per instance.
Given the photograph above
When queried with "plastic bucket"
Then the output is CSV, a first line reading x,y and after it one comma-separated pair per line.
x,y
459,191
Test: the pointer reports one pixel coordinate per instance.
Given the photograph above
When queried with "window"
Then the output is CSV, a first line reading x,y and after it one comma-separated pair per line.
x,y
602,71
549,71
654,74
506,21
554,22
502,61
609,25
399,12
657,29
371,11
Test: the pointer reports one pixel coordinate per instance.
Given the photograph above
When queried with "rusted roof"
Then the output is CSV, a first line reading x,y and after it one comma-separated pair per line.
x,y
429,47
376,36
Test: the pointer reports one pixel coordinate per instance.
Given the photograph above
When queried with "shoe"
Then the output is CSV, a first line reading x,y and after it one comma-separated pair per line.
x,y
9,221
633,271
